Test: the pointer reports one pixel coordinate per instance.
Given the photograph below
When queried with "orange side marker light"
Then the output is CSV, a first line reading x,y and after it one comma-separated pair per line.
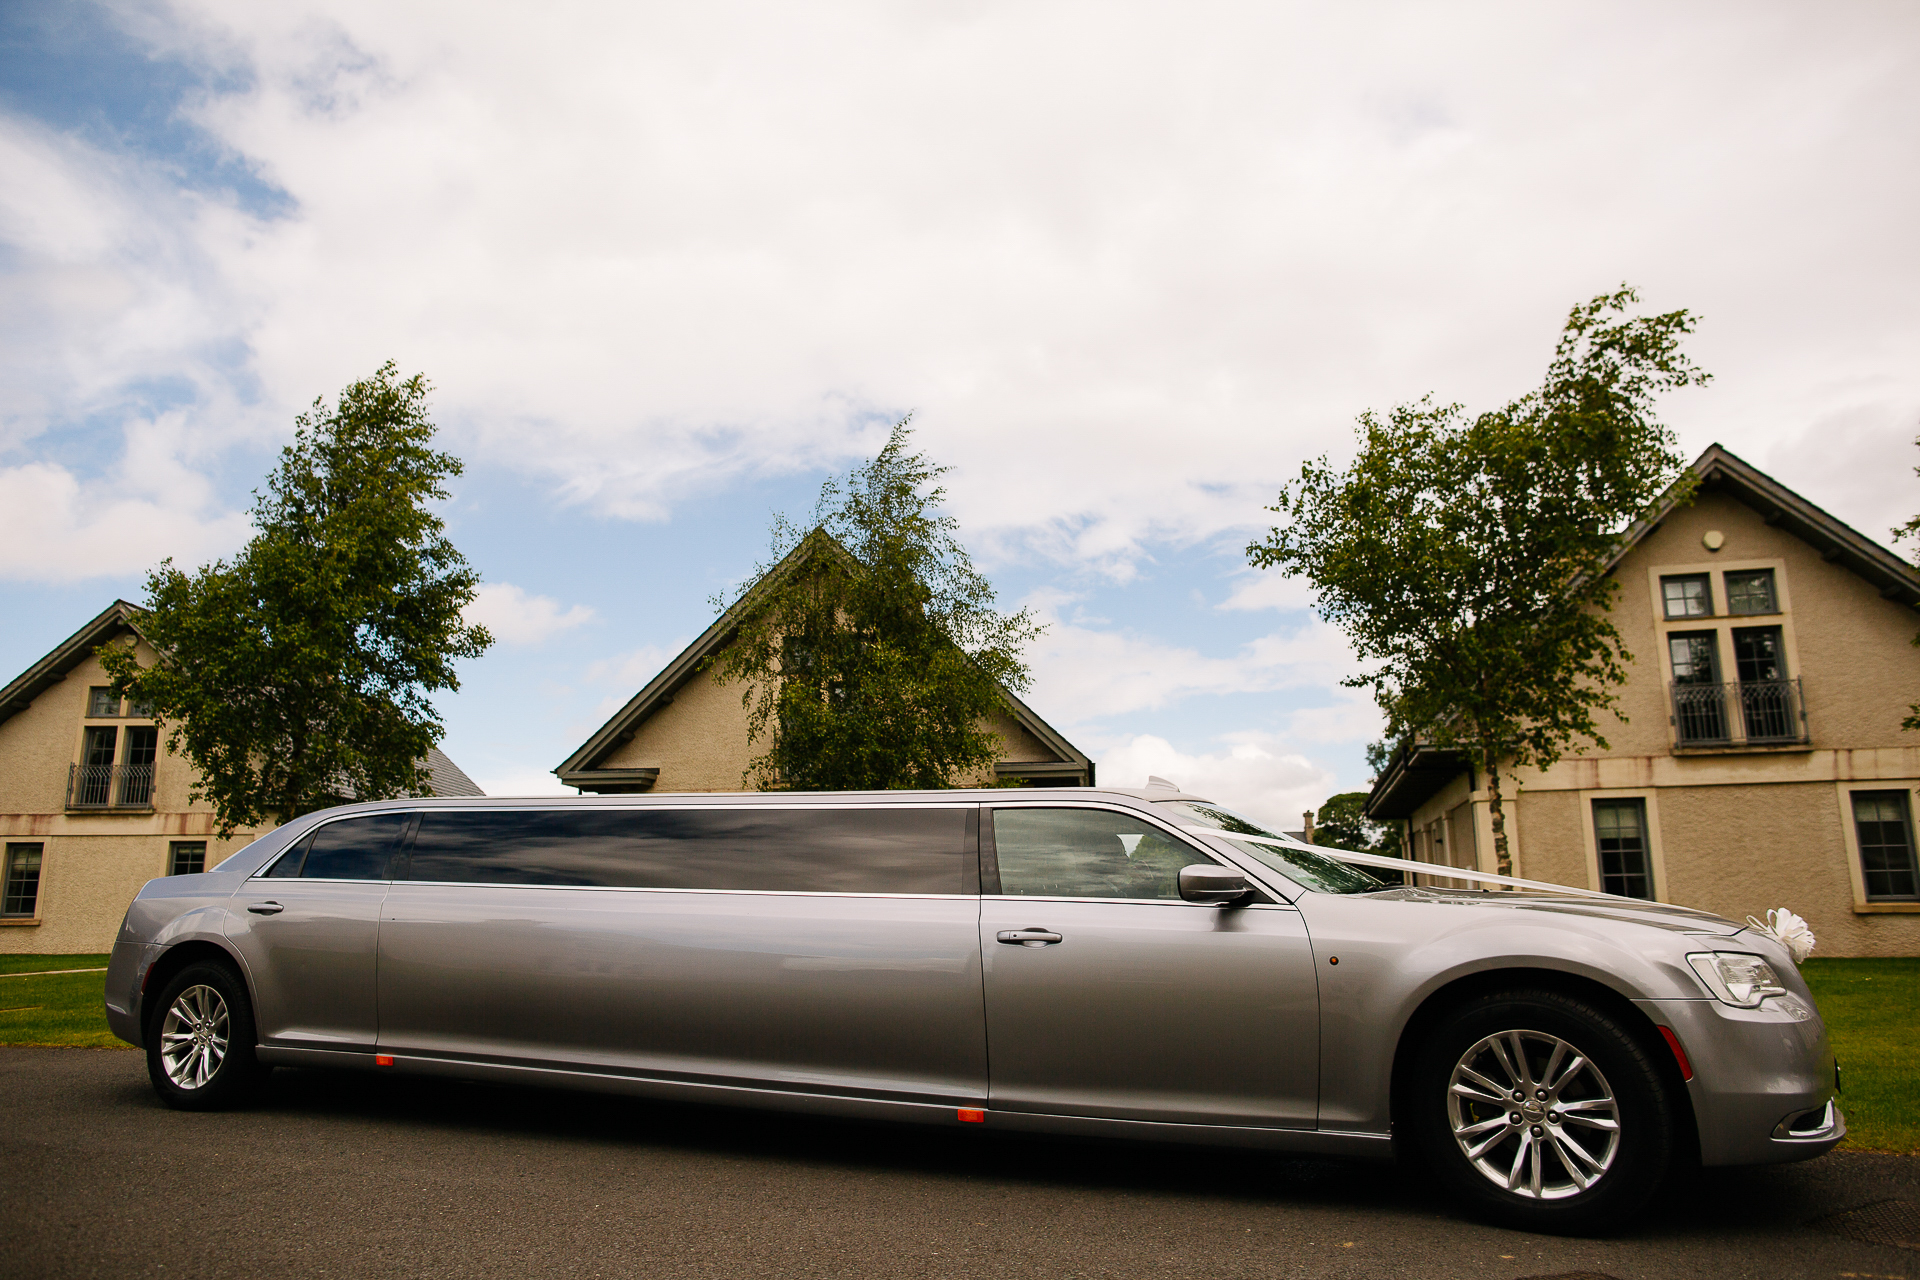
x,y
1679,1054
969,1116
382,1059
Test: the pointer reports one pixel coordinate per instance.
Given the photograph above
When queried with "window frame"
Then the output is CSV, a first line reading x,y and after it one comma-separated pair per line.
x,y
175,848
1638,807
94,693
8,852
1666,602
1773,592
1649,798
1856,855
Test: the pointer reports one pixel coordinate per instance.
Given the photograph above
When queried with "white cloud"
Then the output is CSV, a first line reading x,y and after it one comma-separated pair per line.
x,y
1254,775
1131,263
514,617
59,527
1088,673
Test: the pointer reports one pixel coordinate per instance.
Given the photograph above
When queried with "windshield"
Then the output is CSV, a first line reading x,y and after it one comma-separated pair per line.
x,y
1298,863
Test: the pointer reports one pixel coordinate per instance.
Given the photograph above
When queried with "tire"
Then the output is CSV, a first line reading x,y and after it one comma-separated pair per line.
x,y
200,1040
1594,1134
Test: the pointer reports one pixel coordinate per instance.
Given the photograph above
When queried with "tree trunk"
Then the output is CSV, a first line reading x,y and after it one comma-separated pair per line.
x,y
1502,858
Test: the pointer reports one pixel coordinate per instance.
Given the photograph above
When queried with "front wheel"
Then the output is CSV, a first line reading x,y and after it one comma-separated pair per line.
x,y
200,1042
1541,1111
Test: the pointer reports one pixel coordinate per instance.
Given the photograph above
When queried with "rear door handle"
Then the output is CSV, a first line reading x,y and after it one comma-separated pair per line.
x,y
1028,937
266,908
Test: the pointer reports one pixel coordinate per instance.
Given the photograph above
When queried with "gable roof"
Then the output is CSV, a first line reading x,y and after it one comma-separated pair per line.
x,y
1720,471
68,654
447,778
1419,770
659,691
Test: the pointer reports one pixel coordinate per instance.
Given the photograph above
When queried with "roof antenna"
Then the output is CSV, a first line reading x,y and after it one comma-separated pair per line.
x,y
1155,780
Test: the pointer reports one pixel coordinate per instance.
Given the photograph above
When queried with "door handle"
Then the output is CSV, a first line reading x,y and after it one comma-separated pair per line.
x,y
266,908
1028,937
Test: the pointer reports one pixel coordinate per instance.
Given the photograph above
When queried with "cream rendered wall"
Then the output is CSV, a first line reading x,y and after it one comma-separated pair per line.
x,y
1739,831
699,740
92,864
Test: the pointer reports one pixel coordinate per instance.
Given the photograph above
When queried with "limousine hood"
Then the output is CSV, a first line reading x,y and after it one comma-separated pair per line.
x,y
1658,915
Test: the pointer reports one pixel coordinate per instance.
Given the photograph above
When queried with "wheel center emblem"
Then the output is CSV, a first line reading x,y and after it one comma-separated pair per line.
x,y
1533,1110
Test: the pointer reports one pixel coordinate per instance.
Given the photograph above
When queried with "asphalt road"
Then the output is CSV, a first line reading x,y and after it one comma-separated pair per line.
x,y
361,1176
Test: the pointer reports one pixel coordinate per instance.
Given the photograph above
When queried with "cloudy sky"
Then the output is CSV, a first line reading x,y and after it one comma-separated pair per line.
x,y
668,266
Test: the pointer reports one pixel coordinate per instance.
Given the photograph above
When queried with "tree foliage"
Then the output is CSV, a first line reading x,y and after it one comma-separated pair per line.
x,y
297,677
869,647
1465,556
1340,824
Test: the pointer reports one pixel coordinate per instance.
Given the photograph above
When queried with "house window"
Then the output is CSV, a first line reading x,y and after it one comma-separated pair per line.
x,y
1620,838
1699,701
1687,596
136,777
186,857
21,896
1751,592
1768,706
1885,832
93,783
101,704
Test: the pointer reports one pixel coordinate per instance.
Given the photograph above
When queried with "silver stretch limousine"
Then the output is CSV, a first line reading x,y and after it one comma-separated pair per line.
x,y
1108,962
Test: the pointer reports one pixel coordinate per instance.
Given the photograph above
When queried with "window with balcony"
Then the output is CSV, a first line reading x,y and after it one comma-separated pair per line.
x,y
1687,596
1699,702
1620,839
20,897
100,781
1884,828
1751,592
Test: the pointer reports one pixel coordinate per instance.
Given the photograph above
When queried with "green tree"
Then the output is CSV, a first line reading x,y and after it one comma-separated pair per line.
x,y
297,677
1466,556
869,648
1340,824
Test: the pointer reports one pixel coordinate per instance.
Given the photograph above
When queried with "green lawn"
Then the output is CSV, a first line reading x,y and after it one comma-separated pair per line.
x,y
1872,1010
58,1008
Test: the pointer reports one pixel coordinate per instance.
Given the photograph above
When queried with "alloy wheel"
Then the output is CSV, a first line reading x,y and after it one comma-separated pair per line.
x,y
1533,1114
193,1037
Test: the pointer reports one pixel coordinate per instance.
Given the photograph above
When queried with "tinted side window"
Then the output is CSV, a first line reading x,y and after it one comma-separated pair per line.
x,y
886,850
1087,853
288,863
353,848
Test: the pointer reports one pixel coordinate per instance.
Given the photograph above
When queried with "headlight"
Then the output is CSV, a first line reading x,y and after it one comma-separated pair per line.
x,y
1742,981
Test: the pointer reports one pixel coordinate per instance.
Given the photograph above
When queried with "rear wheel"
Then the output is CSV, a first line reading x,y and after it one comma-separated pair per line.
x,y
1541,1111
200,1041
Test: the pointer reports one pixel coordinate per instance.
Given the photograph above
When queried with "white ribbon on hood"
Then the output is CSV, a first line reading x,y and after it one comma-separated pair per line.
x,y
1405,864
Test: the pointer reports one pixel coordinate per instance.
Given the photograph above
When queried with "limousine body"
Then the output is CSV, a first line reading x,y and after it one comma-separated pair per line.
x,y
1103,962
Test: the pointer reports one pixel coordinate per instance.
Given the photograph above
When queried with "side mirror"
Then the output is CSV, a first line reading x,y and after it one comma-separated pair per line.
x,y
1215,886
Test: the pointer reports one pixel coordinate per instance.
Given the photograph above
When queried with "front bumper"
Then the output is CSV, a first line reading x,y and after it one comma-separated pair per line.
x,y
125,969
1763,1080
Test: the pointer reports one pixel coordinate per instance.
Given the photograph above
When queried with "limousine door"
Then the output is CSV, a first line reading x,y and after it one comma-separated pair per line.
x,y
808,950
307,929
1107,995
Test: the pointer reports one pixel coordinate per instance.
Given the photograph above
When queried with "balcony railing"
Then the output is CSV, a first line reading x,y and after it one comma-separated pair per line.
x,y
1760,713
110,786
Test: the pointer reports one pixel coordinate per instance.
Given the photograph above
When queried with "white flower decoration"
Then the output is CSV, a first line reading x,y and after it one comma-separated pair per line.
x,y
1789,930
